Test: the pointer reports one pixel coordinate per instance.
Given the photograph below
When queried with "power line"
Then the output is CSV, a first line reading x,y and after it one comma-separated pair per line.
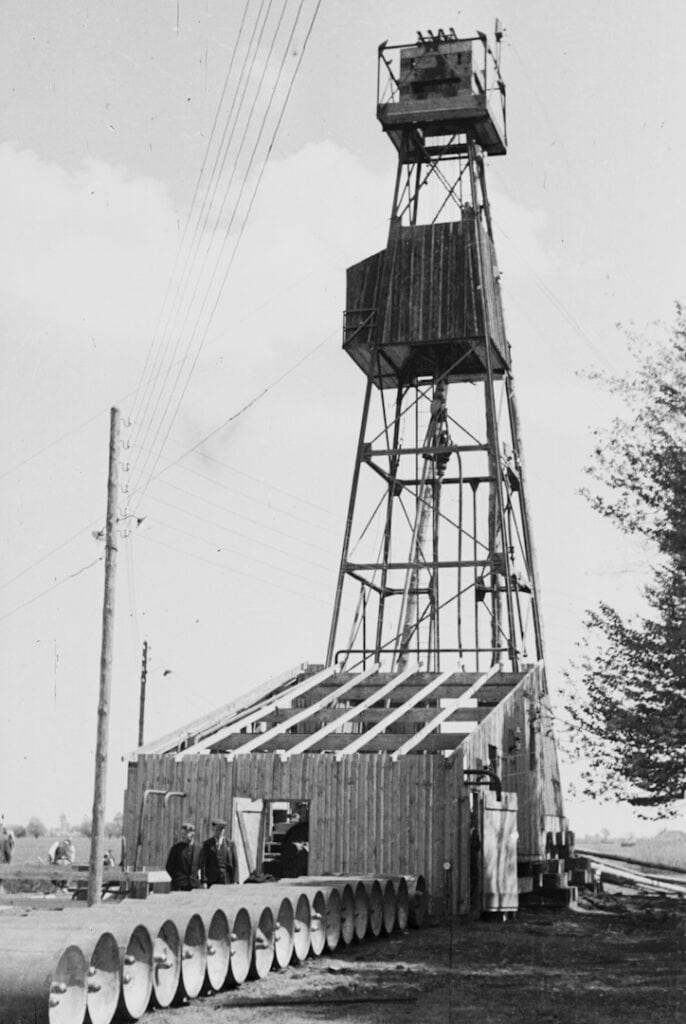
x,y
240,515
252,498
193,200
227,271
244,408
53,551
250,476
180,296
237,533
219,548
224,241
54,586
234,572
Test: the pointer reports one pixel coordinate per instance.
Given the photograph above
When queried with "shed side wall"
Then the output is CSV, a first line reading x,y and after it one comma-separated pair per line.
x,y
368,814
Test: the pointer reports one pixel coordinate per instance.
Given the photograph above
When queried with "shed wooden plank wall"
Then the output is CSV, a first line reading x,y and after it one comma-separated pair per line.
x,y
367,813
520,728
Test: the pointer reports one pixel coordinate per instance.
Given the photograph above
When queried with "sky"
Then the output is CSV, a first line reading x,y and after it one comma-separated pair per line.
x,y
105,147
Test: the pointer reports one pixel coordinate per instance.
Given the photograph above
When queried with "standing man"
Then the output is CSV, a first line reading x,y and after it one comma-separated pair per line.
x,y
219,861
183,862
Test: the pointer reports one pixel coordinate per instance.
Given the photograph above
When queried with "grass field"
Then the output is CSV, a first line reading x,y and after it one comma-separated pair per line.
x,y
28,850
667,848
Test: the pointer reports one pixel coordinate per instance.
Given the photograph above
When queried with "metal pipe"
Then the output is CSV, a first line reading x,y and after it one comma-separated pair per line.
x,y
332,919
193,958
98,946
218,949
166,959
136,976
39,986
361,910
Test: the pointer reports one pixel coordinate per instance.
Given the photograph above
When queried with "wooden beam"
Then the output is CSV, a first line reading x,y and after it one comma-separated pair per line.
x,y
351,713
259,739
371,715
335,742
443,715
395,714
493,693
213,719
244,721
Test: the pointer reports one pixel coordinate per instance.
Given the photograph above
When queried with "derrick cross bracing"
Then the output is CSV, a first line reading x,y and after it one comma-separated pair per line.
x,y
437,563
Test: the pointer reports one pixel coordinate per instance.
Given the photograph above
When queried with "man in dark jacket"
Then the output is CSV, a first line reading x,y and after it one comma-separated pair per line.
x,y
218,860
183,862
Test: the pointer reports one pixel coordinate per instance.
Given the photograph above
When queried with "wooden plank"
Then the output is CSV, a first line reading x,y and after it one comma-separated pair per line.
x,y
351,799
444,714
389,822
338,742
420,813
491,694
294,719
243,721
377,693
329,859
408,845
170,742
437,840
398,817
371,715
395,713
463,837
449,831
317,828
372,849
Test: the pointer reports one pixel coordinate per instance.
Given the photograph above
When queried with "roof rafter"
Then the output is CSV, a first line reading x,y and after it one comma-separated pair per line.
x,y
263,737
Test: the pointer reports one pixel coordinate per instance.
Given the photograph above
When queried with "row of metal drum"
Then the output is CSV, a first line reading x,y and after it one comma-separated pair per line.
x,y
114,961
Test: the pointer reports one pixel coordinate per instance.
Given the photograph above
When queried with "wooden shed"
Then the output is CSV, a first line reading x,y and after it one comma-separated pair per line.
x,y
392,773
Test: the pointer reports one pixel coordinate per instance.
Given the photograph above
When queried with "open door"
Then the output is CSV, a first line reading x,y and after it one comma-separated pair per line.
x,y
499,888
248,834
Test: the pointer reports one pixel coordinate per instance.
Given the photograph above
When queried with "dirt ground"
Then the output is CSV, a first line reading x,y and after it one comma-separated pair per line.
x,y
617,958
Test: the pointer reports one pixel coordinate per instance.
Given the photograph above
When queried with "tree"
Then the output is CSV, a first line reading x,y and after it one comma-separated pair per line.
x,y
35,828
114,828
628,706
86,826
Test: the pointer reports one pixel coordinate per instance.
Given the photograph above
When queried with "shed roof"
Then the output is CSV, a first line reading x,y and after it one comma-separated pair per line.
x,y
314,709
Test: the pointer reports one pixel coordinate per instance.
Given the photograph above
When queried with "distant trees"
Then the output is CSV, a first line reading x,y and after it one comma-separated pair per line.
x,y
114,828
86,826
628,705
35,828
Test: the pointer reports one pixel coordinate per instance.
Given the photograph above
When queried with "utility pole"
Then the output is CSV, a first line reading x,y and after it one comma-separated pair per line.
x,y
98,832
141,705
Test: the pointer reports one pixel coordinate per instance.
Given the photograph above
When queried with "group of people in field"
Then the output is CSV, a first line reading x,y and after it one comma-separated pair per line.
x,y
191,865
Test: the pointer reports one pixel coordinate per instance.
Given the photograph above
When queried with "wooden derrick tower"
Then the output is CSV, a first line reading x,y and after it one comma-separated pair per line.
x,y
430,718
437,565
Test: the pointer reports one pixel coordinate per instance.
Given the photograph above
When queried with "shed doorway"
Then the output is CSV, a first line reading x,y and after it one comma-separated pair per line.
x,y
272,838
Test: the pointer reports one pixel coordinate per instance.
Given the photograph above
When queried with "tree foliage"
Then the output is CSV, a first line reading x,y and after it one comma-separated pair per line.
x,y
35,827
114,828
628,706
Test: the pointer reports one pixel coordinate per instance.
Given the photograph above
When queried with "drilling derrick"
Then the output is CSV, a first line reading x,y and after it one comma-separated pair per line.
x,y
437,565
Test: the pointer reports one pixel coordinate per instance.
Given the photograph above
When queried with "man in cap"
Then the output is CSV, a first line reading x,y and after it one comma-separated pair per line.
x,y
183,862
218,860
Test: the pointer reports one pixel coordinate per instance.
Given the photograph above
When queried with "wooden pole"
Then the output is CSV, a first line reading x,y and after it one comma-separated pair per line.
x,y
141,704
98,830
